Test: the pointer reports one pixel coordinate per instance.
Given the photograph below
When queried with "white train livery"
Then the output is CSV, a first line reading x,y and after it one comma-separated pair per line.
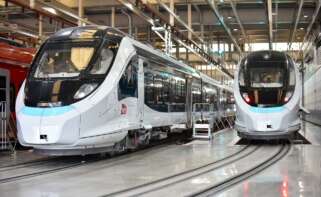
x,y
267,93
92,89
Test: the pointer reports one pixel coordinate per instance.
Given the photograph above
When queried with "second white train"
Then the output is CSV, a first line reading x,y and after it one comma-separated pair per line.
x,y
267,95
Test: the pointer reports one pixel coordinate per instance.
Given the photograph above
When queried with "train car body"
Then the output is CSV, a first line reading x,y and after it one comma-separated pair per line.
x,y
267,93
94,88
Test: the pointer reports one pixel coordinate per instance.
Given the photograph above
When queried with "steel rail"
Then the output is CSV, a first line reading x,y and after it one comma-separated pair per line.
x,y
229,182
116,160
183,176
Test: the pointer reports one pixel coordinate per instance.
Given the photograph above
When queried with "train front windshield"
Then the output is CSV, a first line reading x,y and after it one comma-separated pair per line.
x,y
267,79
65,59
71,65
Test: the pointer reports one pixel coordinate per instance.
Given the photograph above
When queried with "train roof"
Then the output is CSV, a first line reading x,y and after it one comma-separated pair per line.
x,y
86,32
156,55
93,31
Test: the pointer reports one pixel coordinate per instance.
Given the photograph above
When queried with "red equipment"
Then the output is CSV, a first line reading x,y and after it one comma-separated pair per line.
x,y
16,58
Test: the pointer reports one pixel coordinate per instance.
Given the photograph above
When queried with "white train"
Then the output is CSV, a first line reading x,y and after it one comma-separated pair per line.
x,y
267,93
93,89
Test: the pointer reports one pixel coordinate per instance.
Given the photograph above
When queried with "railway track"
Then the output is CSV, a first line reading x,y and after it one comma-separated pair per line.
x,y
188,174
51,165
227,183
154,186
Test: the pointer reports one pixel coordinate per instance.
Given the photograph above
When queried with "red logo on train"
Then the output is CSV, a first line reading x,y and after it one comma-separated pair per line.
x,y
123,109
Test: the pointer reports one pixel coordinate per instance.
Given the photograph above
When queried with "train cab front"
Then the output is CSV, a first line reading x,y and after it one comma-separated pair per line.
x,y
68,68
268,95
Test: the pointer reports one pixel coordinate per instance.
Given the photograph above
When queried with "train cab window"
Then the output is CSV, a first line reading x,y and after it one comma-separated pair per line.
x,y
128,82
105,59
64,59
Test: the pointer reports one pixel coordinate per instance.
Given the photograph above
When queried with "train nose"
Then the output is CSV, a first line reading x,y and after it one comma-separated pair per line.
x,y
57,125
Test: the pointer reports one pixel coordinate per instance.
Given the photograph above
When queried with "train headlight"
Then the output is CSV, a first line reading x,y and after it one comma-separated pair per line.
x,y
84,90
246,97
288,96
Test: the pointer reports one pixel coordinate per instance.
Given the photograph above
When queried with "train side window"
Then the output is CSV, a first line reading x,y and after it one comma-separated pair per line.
x,y
149,89
128,82
156,91
178,94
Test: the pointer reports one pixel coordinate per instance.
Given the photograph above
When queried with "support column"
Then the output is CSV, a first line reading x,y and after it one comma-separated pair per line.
x,y
149,34
177,51
189,19
229,51
136,32
80,12
187,55
40,26
171,17
202,26
112,18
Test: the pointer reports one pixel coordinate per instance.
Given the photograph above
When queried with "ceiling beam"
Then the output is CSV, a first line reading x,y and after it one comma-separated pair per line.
x,y
226,28
179,20
237,17
293,31
314,17
39,9
177,36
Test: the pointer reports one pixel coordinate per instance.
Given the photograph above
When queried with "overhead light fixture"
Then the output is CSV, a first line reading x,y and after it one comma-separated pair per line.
x,y
229,17
235,29
305,16
301,28
51,10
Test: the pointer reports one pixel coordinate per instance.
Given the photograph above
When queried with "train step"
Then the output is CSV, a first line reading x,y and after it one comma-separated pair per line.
x,y
202,131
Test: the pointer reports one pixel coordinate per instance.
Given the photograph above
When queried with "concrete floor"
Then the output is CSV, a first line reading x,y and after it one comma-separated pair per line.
x,y
298,174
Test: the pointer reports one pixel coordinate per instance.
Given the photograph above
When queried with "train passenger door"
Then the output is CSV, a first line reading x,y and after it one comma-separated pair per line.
x,y
189,107
141,97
